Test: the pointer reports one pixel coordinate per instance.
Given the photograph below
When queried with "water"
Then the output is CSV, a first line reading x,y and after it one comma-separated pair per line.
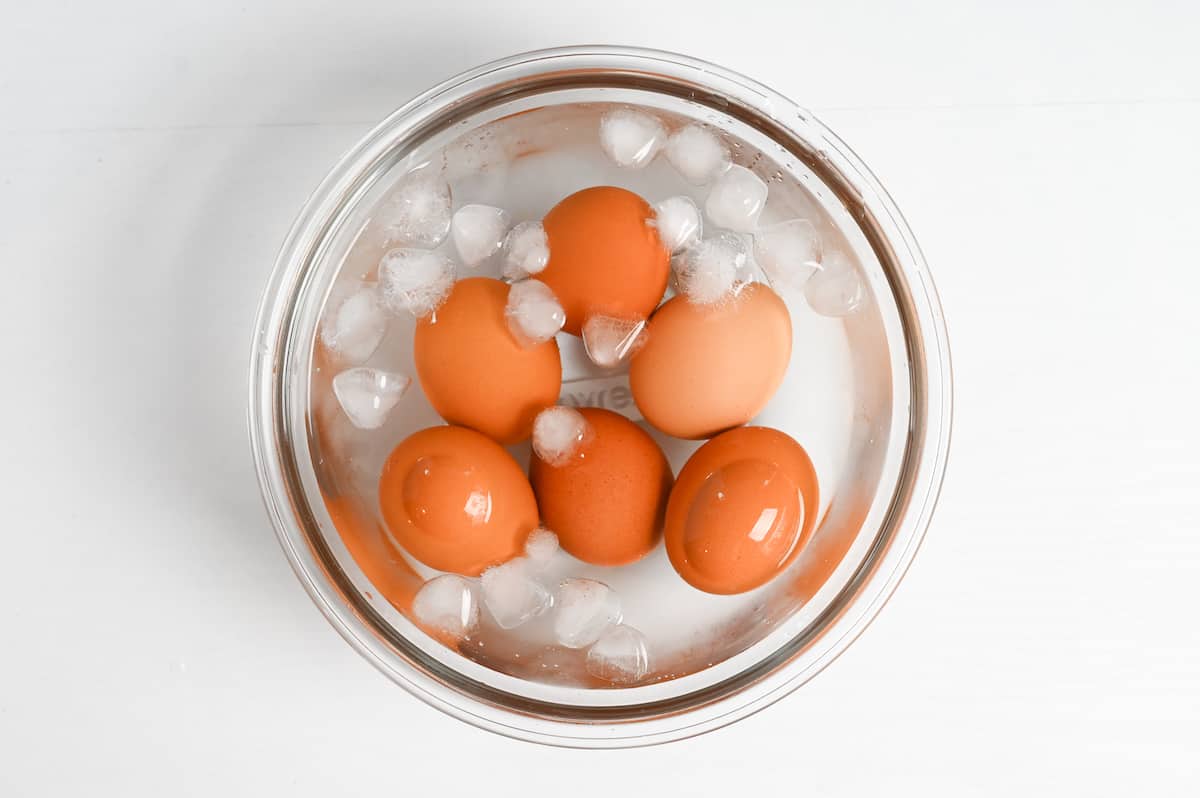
x,y
524,165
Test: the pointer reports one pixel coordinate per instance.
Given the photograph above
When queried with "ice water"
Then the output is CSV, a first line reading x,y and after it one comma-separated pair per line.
x,y
503,177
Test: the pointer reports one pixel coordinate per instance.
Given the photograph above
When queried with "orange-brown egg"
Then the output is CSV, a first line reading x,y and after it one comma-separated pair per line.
x,y
456,501
743,507
474,372
605,259
607,501
707,368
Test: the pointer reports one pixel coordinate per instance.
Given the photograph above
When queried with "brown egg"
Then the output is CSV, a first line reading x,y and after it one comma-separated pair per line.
x,y
474,372
742,509
604,257
706,368
456,501
607,501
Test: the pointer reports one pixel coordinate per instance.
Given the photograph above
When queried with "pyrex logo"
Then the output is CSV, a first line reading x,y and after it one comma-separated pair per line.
x,y
611,393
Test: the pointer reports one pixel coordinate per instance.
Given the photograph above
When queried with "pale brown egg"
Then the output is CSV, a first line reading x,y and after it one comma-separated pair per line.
x,y
742,509
475,373
606,502
456,501
707,368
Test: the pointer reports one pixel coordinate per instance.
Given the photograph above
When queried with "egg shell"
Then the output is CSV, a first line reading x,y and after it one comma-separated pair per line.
x,y
708,368
605,256
607,502
743,508
474,372
456,500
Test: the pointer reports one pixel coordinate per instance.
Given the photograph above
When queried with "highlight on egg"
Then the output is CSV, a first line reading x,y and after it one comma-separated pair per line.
x,y
742,509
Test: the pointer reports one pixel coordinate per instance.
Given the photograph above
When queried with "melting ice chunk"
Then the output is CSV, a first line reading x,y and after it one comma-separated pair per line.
x,y
631,138
417,212
710,270
583,610
558,432
533,313
609,340
367,395
526,250
541,547
678,222
697,154
512,594
478,232
736,199
836,289
356,327
789,252
619,656
415,280
448,602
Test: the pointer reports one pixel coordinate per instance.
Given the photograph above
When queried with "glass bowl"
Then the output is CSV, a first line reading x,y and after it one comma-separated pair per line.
x,y
898,394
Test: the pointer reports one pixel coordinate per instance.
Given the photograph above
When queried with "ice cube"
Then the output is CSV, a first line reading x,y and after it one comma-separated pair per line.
x,y
736,199
836,289
678,222
558,432
526,250
367,395
609,340
631,138
583,610
512,594
709,271
449,603
788,252
417,211
478,232
415,280
620,656
533,313
697,154
356,327
541,546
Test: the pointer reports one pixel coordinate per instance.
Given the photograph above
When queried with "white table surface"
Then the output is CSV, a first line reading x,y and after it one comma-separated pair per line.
x,y
156,643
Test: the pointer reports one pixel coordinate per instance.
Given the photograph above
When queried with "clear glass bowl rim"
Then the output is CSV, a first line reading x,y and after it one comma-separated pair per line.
x,y
928,443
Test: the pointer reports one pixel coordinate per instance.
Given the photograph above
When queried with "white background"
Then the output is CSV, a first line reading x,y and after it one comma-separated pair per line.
x,y
155,642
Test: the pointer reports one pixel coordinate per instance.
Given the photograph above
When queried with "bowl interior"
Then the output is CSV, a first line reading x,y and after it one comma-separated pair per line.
x,y
848,396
